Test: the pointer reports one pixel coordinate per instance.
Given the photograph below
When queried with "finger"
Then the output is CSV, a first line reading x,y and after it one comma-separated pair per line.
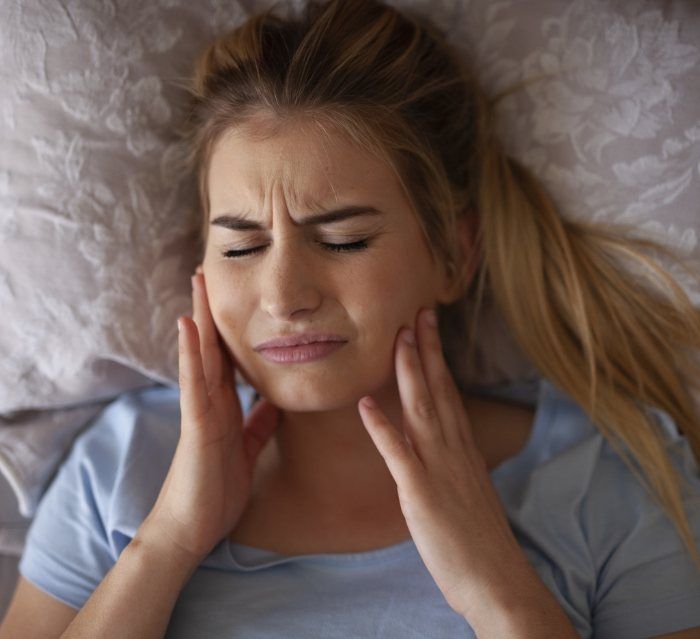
x,y
260,424
420,412
400,458
453,418
194,398
209,338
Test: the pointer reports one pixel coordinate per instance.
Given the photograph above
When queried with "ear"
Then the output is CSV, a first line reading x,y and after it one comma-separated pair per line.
x,y
455,283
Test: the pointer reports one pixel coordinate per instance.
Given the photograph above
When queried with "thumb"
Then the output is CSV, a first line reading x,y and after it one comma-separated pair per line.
x,y
260,424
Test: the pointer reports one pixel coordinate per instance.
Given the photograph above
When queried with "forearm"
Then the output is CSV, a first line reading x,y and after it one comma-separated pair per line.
x,y
523,609
137,596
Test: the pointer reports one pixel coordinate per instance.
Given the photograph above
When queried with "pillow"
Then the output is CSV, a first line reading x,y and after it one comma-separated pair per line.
x,y
612,128
98,221
98,224
32,445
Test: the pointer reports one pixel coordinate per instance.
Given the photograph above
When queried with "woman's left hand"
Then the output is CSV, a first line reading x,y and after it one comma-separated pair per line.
x,y
454,514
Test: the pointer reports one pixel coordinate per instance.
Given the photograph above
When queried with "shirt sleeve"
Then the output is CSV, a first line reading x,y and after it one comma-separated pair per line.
x,y
102,491
647,584
67,552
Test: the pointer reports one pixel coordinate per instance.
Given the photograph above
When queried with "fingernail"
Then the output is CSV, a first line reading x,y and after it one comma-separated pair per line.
x,y
408,336
179,325
193,279
431,318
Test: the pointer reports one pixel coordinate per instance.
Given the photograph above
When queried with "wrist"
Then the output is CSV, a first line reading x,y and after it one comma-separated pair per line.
x,y
137,596
521,607
533,620
155,548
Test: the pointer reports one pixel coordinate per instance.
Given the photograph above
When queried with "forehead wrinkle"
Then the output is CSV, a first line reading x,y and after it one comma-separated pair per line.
x,y
325,136
309,198
281,174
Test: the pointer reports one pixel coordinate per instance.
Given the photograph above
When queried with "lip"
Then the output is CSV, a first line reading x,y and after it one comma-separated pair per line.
x,y
301,353
298,339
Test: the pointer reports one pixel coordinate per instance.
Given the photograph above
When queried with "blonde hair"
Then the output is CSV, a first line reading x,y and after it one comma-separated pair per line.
x,y
617,342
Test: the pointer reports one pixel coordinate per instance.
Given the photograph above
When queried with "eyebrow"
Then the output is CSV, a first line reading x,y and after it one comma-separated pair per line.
x,y
237,222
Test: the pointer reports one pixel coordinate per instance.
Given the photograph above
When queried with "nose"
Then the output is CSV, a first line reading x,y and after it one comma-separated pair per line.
x,y
289,288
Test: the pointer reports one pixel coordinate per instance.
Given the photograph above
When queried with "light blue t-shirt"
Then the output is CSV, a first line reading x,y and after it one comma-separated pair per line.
x,y
597,540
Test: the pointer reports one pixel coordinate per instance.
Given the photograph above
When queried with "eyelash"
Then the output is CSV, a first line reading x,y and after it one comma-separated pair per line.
x,y
336,248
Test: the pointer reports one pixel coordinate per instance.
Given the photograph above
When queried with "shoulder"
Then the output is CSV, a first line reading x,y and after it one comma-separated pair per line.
x,y
576,466
117,464
593,531
646,582
123,457
136,423
592,471
100,494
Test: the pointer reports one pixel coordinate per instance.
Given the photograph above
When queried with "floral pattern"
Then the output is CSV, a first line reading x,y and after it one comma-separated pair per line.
x,y
97,219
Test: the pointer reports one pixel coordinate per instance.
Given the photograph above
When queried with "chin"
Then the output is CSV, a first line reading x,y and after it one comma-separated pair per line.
x,y
307,393
328,390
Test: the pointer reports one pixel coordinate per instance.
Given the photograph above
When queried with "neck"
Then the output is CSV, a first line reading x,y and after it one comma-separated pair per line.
x,y
329,457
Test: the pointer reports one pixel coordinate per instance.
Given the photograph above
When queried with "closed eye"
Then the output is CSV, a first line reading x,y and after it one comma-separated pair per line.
x,y
338,248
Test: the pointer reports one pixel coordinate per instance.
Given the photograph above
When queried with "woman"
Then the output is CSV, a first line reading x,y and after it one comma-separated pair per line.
x,y
351,186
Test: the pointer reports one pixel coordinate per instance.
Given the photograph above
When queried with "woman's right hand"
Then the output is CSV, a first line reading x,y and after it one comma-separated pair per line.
x,y
209,481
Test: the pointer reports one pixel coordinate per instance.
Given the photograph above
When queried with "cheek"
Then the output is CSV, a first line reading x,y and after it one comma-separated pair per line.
x,y
389,299
397,287
231,320
227,309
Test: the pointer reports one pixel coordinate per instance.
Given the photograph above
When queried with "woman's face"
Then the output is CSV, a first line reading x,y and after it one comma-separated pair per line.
x,y
293,283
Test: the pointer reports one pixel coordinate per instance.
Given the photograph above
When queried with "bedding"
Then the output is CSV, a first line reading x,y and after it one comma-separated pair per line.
x,y
97,218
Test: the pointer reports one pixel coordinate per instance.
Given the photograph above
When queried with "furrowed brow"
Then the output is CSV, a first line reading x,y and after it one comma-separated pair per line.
x,y
237,222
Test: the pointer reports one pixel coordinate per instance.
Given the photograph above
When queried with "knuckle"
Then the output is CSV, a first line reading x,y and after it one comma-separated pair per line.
x,y
447,391
446,396
187,380
425,409
398,448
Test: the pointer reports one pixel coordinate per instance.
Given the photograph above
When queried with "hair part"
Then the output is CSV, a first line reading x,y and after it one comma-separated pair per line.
x,y
616,341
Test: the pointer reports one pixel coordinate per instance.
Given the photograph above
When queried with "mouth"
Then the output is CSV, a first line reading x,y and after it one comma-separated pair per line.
x,y
299,339
300,353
